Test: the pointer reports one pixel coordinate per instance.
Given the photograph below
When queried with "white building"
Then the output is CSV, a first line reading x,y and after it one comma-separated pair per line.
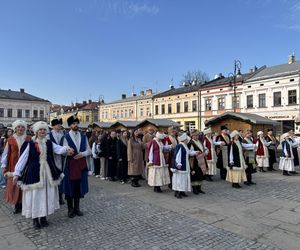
x,y
21,105
274,93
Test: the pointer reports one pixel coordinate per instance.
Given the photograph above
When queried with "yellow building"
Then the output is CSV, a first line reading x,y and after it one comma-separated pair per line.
x,y
179,104
134,108
87,112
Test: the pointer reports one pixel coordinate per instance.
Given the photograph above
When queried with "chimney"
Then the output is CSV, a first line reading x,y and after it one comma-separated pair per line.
x,y
142,93
149,92
291,59
90,101
22,90
84,102
123,96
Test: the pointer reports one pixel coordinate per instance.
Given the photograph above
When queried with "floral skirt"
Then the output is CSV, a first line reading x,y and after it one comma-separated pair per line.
x,y
236,176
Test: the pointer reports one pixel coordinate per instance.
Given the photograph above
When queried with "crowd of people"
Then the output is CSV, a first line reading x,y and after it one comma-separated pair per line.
x,y
42,168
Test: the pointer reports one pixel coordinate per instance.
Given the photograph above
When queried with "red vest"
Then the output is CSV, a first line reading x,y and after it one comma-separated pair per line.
x,y
208,145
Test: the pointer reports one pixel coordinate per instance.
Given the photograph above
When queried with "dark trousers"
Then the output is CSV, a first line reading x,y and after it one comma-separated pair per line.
x,y
76,190
112,167
122,170
223,173
249,172
97,166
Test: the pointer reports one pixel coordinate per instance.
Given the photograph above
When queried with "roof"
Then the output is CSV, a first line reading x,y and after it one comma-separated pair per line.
x,y
132,98
80,125
178,91
126,124
19,95
160,122
277,70
103,124
246,117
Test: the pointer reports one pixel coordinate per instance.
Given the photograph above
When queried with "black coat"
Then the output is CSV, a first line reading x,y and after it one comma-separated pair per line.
x,y
199,175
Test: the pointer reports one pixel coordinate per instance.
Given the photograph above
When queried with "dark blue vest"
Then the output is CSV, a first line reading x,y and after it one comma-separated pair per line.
x,y
183,157
286,145
31,172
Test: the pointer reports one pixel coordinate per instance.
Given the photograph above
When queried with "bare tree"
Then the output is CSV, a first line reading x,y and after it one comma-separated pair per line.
x,y
194,76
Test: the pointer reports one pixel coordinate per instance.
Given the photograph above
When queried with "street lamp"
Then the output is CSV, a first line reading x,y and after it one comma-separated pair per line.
x,y
234,77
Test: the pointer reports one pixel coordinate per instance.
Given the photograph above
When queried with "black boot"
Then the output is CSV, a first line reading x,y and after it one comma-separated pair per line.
x,y
44,222
178,195
170,186
18,208
286,173
61,200
135,183
36,223
158,189
195,190
208,178
155,189
76,207
71,213
183,194
261,169
200,190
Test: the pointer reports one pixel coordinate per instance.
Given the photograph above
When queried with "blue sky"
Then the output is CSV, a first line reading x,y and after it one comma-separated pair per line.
x,y
74,50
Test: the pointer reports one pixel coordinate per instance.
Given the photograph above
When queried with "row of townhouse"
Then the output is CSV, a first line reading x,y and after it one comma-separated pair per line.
x,y
271,92
21,105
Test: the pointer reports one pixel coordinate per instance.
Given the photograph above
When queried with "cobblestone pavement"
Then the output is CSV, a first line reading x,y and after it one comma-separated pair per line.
x,y
265,216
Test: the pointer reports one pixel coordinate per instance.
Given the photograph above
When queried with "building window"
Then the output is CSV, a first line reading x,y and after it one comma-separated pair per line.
x,y
221,103
148,111
87,118
186,106
189,125
122,113
277,99
27,113
262,100
236,103
169,108
292,94
194,106
95,118
208,104
141,112
156,109
178,107
249,101
125,113
9,112
163,109
35,113
19,113
118,113
42,114
1,112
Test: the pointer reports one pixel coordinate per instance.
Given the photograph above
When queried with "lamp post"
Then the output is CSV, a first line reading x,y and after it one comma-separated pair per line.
x,y
236,75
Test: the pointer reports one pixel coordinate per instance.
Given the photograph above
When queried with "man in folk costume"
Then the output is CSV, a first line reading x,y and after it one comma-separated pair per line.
x,y
171,139
237,165
262,152
181,180
75,183
158,169
295,146
286,163
148,137
10,156
197,162
249,157
222,151
271,148
40,177
211,157
56,136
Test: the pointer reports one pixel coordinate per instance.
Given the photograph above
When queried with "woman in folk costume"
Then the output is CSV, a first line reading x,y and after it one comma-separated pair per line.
x,y
170,139
211,157
222,151
197,162
262,153
40,177
135,158
237,164
10,156
181,180
295,146
158,169
286,163
249,157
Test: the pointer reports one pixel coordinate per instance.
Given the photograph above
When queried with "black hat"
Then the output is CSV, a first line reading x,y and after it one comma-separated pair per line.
x,y
56,121
223,127
72,119
270,129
